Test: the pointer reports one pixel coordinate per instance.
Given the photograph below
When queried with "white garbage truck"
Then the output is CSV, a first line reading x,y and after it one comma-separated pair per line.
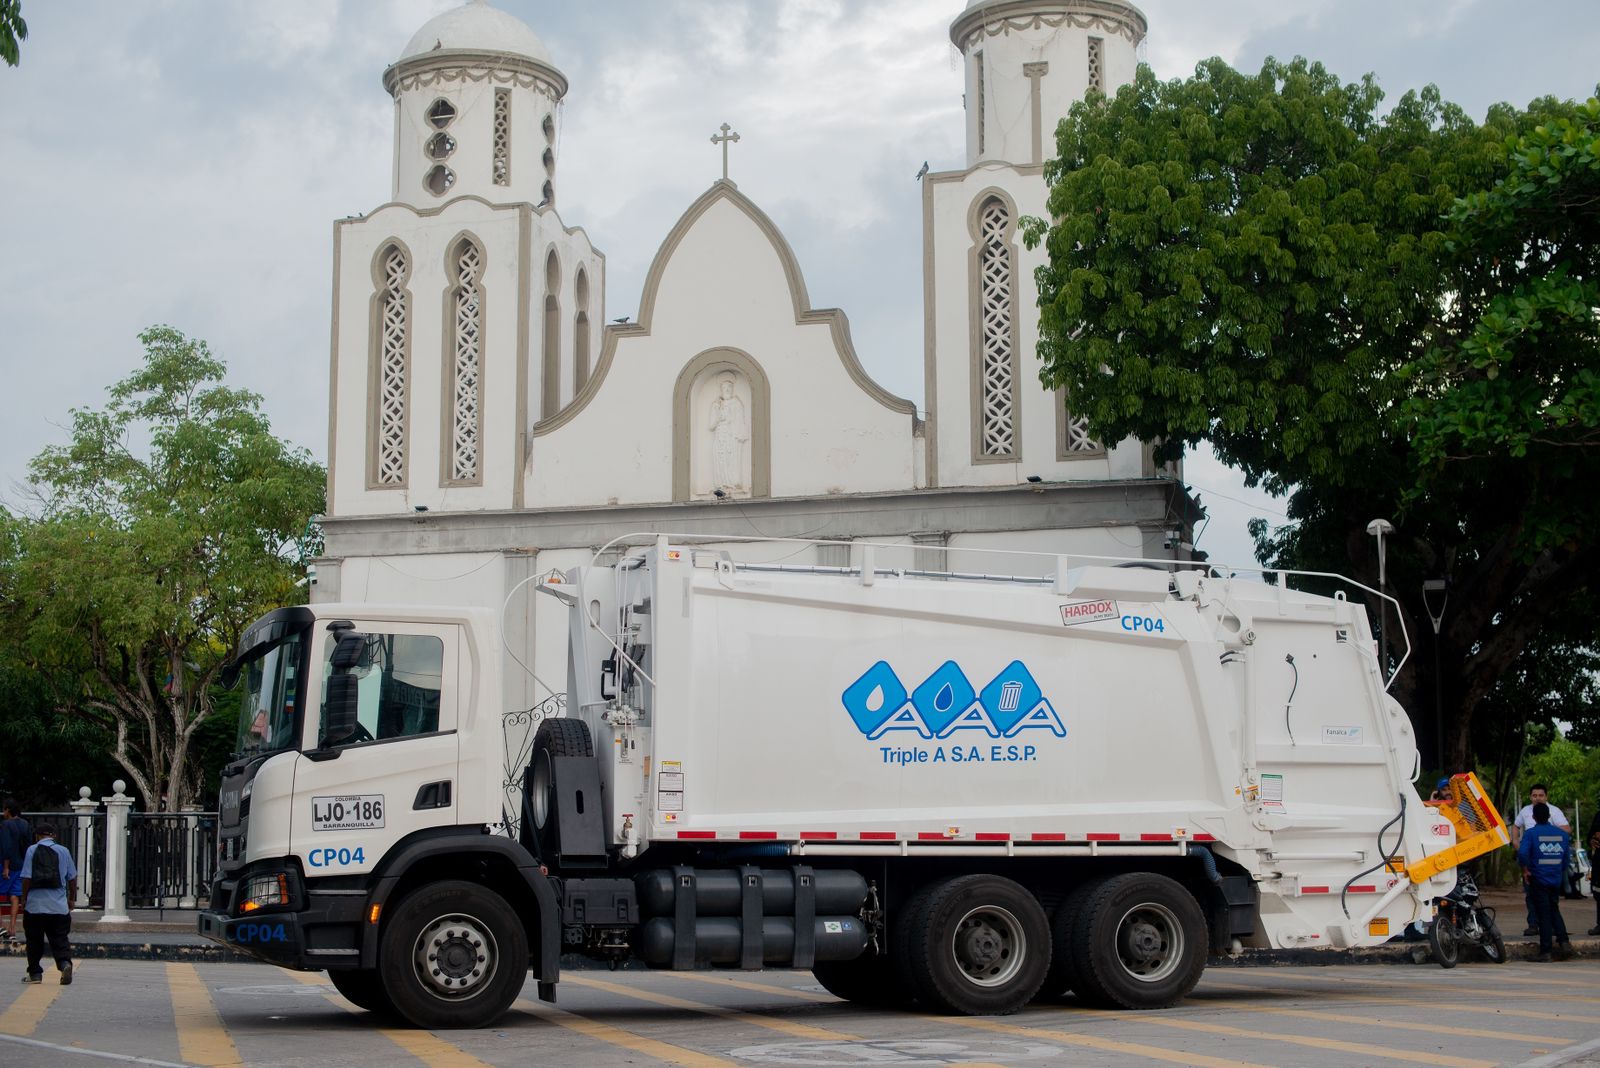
x,y
960,791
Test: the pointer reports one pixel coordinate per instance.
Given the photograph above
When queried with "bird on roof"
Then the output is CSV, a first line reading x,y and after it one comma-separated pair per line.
x,y
624,319
923,171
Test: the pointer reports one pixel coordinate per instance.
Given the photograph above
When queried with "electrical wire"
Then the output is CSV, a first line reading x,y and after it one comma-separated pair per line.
x,y
1388,857
1289,658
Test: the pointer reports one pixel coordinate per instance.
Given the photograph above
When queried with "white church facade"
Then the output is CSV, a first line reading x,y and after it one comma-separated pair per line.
x,y
488,425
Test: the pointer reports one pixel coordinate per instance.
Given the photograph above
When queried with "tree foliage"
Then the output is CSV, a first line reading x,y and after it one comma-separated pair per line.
x,y
13,31
1380,314
171,520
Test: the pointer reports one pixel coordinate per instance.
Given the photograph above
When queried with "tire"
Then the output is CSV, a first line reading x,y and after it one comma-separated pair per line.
x,y
974,945
363,988
1445,941
1494,945
1139,941
868,980
457,921
556,738
1062,976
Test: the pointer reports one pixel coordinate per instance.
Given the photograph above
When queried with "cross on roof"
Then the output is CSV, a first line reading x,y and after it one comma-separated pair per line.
x,y
723,141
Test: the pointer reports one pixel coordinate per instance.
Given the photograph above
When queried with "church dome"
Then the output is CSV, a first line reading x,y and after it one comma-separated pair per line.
x,y
477,27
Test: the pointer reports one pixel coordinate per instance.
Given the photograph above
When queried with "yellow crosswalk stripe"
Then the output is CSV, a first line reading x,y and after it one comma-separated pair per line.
x,y
425,1046
772,1023
1458,988
201,1037
1105,1045
1439,1007
1375,1021
24,1014
746,984
1309,1041
616,1036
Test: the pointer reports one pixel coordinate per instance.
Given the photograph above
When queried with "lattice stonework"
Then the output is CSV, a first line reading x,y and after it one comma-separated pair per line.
x,y
468,361
395,324
1097,64
997,371
502,137
1077,433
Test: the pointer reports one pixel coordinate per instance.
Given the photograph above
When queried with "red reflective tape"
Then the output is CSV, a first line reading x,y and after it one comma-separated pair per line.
x,y
1155,838
992,836
758,834
1363,889
931,836
1313,889
1048,836
1105,837
697,834
826,836
1203,837
879,836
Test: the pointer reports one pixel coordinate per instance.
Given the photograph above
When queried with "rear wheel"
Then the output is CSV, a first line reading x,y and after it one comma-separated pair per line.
x,y
973,944
1445,941
1062,976
868,980
453,954
362,987
1138,942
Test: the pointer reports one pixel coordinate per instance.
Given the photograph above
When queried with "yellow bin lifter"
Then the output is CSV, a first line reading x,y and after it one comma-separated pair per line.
x,y
1479,828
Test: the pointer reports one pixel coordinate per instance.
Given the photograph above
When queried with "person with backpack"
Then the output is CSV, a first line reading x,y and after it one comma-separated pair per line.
x,y
49,883
15,834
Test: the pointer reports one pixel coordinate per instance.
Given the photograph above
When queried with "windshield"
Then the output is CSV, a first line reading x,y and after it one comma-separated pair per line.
x,y
268,721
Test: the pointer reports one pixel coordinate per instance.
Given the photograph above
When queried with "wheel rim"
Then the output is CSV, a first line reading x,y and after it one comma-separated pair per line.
x,y
539,791
989,946
455,957
1150,942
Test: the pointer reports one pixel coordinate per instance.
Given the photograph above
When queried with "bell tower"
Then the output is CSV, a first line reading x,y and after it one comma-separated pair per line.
x,y
1027,61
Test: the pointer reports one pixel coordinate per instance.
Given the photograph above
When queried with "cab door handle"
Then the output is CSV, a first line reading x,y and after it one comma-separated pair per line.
x,y
433,795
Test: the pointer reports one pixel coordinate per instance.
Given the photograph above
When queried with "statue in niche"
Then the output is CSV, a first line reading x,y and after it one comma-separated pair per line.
x,y
730,430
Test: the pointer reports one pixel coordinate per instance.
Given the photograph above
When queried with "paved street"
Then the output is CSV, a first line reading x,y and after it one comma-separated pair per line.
x,y
214,1014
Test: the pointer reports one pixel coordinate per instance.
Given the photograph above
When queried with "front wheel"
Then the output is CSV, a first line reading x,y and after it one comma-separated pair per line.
x,y
454,954
1138,942
978,945
1494,946
1445,941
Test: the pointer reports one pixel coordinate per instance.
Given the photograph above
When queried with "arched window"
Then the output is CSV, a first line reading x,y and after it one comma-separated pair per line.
x,y
501,163
995,418
550,395
391,369
580,332
465,369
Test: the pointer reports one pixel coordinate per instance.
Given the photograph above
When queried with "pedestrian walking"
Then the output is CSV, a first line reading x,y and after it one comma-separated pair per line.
x,y
1538,795
15,836
1543,855
49,882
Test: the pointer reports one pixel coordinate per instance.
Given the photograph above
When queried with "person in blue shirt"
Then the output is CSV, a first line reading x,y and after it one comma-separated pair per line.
x,y
15,834
1543,854
47,910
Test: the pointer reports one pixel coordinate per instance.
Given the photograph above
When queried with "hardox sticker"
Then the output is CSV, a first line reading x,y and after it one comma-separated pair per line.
x,y
1076,612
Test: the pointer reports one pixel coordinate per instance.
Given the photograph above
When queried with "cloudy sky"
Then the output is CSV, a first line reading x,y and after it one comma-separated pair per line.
x,y
181,161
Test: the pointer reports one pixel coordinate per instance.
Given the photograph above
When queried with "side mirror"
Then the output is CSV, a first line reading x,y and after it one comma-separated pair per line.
x,y
340,708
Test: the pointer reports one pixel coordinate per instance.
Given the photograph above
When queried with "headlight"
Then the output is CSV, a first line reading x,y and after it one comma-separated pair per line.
x,y
264,892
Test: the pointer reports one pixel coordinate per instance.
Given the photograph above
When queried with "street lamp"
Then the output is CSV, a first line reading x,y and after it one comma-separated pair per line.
x,y
1378,528
1437,590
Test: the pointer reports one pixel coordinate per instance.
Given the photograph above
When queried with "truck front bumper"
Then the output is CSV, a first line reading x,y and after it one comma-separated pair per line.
x,y
324,931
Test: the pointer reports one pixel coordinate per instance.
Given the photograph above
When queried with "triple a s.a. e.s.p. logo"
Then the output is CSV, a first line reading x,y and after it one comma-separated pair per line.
x,y
962,721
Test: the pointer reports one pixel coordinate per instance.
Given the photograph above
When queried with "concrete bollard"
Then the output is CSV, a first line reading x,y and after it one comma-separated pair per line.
x,y
84,806
191,868
118,806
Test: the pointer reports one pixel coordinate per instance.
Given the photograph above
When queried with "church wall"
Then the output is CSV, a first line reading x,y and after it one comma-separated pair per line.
x,y
724,296
428,240
951,204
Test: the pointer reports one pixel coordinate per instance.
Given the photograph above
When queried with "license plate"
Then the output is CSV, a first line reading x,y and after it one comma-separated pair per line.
x,y
347,812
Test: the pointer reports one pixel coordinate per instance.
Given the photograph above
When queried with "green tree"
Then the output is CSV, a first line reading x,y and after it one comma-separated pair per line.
x,y
13,31
171,520
1379,315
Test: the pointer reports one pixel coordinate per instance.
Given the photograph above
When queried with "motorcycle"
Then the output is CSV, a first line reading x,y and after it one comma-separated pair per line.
x,y
1461,919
